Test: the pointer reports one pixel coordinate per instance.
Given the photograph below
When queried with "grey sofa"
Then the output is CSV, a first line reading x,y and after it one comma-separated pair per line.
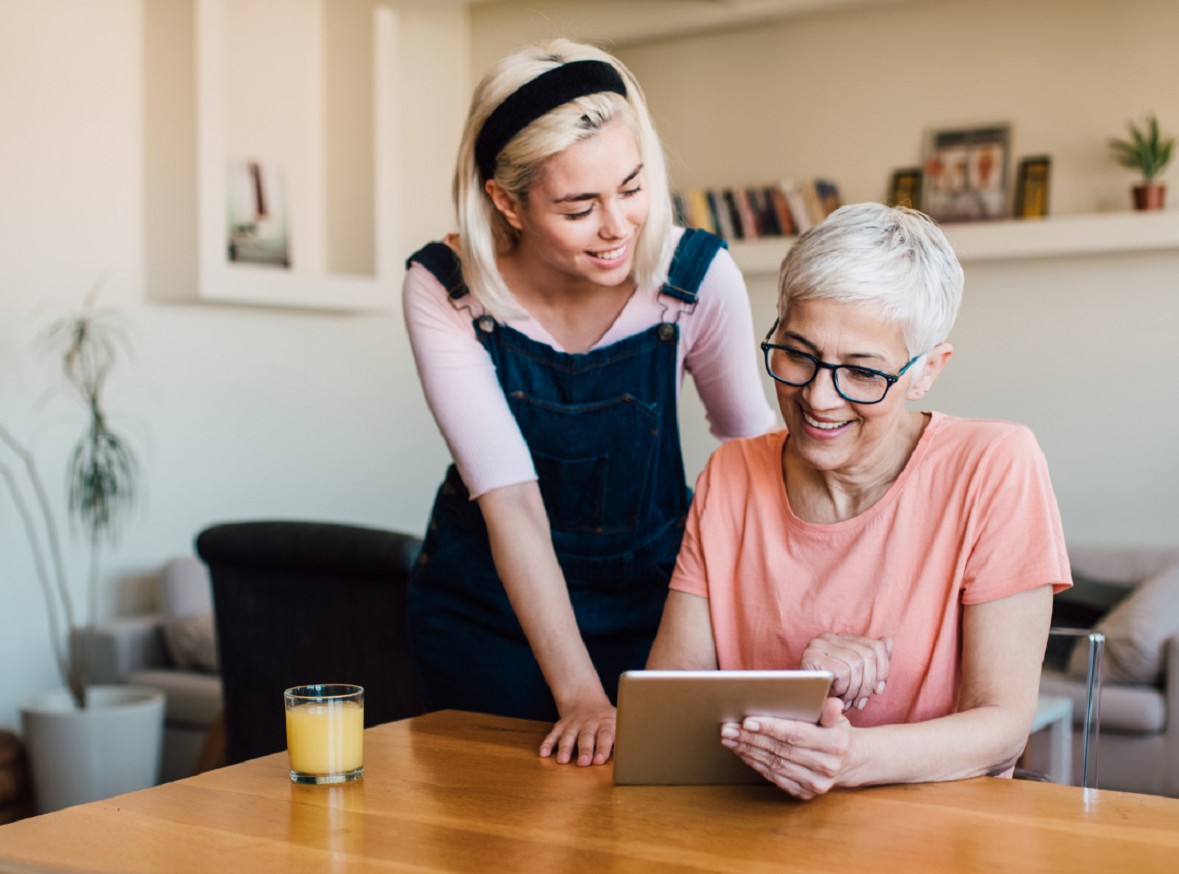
x,y
1132,595
172,649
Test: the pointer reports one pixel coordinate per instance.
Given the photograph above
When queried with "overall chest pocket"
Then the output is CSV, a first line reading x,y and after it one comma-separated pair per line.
x,y
594,460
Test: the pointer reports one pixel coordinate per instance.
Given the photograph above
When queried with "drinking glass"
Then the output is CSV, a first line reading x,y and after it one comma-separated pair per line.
x,y
325,732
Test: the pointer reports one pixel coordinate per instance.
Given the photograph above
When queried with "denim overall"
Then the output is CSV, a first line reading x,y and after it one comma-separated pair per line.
x,y
604,437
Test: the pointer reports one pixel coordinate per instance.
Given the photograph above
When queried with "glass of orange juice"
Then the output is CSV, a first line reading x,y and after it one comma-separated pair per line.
x,y
325,732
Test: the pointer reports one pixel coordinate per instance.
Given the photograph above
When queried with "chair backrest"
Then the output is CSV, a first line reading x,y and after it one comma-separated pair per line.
x,y
304,602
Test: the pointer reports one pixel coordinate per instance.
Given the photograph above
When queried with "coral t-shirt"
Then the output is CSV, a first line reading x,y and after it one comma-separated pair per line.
x,y
972,518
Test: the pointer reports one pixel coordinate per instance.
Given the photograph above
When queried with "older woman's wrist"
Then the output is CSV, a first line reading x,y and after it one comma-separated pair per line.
x,y
858,761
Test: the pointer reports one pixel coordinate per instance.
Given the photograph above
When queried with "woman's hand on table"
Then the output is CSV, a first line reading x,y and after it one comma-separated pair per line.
x,y
860,665
802,759
588,727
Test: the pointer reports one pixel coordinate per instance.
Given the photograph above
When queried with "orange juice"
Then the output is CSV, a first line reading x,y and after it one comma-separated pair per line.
x,y
326,737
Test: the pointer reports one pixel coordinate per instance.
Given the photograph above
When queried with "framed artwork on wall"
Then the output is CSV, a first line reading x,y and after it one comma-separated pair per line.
x,y
905,188
256,214
966,174
1031,187
296,158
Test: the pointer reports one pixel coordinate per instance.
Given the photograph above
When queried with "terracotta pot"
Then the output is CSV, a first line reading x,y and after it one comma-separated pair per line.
x,y
1149,196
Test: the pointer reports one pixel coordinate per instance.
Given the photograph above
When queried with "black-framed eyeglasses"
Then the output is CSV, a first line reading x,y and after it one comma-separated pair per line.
x,y
859,385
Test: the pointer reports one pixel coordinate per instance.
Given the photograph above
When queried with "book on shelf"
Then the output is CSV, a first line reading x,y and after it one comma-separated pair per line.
x,y
745,209
783,209
697,211
719,214
735,219
796,201
769,215
813,205
767,223
828,194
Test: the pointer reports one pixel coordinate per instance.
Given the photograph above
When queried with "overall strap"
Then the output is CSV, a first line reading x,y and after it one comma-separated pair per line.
x,y
443,262
693,255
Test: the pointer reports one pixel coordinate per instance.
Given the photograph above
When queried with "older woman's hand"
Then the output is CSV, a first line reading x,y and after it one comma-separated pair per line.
x,y
860,665
802,759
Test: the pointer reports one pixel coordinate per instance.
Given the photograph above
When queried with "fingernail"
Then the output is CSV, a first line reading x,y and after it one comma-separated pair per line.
x,y
751,725
729,731
728,742
880,688
862,703
847,706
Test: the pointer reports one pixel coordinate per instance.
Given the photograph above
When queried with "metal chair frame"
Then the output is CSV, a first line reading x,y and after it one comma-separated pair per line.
x,y
1090,747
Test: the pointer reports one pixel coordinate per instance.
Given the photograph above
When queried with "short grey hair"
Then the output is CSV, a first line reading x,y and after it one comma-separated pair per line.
x,y
892,258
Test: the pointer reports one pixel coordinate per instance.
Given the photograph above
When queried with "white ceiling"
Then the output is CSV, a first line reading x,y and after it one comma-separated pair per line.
x,y
627,21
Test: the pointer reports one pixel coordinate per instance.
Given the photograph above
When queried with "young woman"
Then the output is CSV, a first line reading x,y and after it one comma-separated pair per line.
x,y
551,335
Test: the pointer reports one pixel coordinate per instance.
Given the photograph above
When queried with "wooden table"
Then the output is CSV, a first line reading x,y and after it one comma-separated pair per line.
x,y
462,792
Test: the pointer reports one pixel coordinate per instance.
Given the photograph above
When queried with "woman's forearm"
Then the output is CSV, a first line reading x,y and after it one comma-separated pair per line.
x,y
985,740
1002,647
521,546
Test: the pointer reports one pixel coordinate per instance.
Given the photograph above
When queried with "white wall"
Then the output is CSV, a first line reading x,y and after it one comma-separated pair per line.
x,y
240,413
1075,348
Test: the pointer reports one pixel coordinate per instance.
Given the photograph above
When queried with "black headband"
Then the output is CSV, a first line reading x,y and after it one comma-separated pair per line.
x,y
538,97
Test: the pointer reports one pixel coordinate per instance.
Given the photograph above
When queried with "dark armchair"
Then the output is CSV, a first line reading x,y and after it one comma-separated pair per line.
x,y
307,602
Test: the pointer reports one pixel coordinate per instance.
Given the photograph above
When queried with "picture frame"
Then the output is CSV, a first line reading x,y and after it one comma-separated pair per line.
x,y
256,214
966,176
1032,186
905,188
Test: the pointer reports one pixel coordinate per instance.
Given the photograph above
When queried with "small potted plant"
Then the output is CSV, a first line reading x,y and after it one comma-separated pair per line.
x,y
1148,152
74,735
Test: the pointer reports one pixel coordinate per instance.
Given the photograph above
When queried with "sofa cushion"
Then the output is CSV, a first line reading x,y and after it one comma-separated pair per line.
x,y
186,603
185,588
1124,709
192,642
1136,631
189,698
1080,606
1127,564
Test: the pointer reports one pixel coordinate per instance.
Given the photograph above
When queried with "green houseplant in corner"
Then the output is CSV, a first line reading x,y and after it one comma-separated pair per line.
x,y
74,734
1148,152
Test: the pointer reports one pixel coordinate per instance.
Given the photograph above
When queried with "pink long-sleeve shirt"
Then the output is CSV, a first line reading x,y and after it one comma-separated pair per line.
x,y
716,346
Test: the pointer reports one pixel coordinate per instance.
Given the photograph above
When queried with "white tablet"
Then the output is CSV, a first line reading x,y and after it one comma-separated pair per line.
x,y
669,721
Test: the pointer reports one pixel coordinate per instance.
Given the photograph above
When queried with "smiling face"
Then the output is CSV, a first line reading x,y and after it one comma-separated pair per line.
x,y
829,434
582,219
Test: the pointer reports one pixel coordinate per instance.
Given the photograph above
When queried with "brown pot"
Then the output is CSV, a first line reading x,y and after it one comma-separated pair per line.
x,y
1149,196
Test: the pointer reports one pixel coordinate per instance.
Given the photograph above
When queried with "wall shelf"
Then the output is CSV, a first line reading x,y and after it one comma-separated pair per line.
x,y
1053,237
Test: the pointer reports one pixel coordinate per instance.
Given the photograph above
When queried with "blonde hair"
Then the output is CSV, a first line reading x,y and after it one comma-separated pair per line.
x,y
483,231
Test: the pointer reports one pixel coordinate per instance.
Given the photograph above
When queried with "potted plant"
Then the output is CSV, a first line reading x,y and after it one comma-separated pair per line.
x,y
1148,152
82,720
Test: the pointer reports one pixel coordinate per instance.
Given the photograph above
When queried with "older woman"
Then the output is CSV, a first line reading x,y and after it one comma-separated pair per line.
x,y
913,554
